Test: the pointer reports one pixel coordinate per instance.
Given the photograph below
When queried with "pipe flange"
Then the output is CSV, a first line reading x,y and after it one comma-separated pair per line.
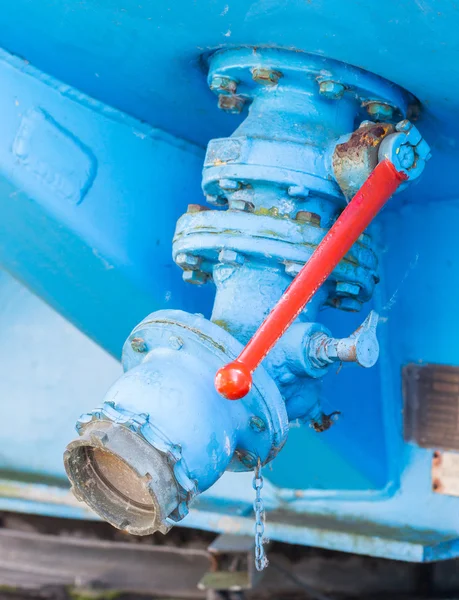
x,y
287,242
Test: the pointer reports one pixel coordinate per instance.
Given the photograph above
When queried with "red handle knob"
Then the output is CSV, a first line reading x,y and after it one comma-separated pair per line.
x,y
234,380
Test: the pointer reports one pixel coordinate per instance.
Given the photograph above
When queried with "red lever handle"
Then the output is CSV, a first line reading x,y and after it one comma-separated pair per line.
x,y
234,380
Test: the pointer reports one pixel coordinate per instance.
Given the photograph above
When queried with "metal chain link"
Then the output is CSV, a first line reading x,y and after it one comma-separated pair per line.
x,y
261,560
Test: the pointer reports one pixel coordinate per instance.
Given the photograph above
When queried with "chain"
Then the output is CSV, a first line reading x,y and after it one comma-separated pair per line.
x,y
261,561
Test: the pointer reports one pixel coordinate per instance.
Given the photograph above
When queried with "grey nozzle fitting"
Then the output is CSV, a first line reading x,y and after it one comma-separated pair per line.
x,y
122,477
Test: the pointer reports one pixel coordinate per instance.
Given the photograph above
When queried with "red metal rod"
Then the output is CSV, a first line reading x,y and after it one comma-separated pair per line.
x,y
234,380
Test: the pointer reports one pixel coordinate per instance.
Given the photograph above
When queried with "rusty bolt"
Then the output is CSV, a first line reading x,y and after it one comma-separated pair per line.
x,y
231,104
188,261
266,76
230,257
349,304
138,344
331,90
223,84
257,424
195,208
292,268
194,277
175,342
380,111
229,185
344,288
243,205
304,216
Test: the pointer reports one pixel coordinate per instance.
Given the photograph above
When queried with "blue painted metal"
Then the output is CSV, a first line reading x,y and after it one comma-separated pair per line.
x,y
94,241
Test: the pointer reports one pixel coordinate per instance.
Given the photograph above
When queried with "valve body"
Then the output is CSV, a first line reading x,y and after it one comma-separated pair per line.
x,y
163,434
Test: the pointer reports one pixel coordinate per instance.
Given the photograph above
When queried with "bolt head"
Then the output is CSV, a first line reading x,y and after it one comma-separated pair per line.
x,y
257,424
344,288
331,90
231,104
175,342
235,204
230,257
304,216
195,277
292,268
380,111
223,84
195,208
187,261
138,344
229,185
266,76
349,304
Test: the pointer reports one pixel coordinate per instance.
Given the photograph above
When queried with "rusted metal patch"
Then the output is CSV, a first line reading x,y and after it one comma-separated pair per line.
x,y
355,159
431,411
445,473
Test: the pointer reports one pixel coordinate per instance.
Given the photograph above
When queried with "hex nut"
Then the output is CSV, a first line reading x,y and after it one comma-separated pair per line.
x,y
292,268
138,344
195,277
231,104
230,257
223,84
188,261
381,111
304,216
331,90
349,304
243,205
344,288
266,76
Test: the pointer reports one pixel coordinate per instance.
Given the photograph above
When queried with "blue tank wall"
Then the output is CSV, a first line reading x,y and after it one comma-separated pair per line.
x,y
121,87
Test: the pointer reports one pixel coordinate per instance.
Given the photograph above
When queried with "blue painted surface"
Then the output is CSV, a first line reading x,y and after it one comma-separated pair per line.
x,y
91,234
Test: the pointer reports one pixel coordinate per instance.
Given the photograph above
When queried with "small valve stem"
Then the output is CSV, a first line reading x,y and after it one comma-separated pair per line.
x,y
361,347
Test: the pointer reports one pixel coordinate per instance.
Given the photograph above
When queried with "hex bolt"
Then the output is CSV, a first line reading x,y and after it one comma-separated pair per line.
x,y
292,268
298,191
223,84
349,304
196,208
229,185
304,216
344,288
331,90
230,257
231,104
195,277
138,344
175,342
242,205
266,76
257,424
188,261
380,111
